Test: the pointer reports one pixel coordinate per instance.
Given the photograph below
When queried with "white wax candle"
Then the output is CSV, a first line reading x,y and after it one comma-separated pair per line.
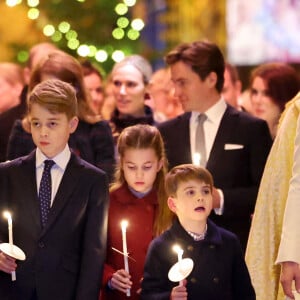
x,y
197,159
179,252
124,225
7,215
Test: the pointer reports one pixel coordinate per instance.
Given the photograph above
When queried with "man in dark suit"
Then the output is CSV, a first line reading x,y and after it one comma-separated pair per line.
x,y
64,239
236,144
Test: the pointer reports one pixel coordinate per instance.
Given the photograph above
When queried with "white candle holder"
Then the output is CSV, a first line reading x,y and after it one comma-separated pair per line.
x,y
13,251
9,248
181,270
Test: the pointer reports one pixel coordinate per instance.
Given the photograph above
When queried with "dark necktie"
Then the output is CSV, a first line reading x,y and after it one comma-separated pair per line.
x,y
200,140
45,191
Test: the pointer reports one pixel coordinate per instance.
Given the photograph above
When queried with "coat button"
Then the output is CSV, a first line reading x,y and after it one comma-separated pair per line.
x,y
193,280
190,248
216,280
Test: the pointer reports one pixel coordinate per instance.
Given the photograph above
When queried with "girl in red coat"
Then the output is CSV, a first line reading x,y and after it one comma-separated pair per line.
x,y
137,196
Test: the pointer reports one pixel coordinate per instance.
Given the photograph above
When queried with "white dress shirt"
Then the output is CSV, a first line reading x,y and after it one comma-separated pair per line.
x,y
57,171
211,126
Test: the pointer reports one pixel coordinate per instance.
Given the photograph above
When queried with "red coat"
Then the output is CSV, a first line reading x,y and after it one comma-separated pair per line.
x,y
140,214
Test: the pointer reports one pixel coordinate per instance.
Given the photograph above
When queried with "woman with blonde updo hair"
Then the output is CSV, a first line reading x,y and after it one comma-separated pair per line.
x,y
130,78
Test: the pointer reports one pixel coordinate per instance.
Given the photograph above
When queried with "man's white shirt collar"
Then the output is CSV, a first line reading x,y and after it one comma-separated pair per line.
x,y
214,114
61,159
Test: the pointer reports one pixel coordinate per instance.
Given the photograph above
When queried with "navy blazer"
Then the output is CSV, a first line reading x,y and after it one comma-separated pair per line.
x,y
236,172
64,260
92,142
219,272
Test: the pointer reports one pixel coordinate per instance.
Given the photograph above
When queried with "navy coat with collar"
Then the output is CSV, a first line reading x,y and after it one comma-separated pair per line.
x,y
219,271
64,260
237,172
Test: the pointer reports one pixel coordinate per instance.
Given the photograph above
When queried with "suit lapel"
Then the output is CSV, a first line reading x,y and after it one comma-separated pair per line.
x,y
184,141
29,191
68,183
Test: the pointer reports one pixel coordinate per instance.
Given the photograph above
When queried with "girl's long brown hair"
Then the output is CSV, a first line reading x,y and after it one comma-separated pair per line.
x,y
145,137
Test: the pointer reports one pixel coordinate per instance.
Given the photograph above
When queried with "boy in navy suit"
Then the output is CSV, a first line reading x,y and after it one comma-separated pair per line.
x,y
62,232
219,269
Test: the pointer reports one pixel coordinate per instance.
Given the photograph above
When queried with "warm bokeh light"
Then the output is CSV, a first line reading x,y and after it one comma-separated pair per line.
x,y
23,56
64,27
12,3
101,56
57,36
83,50
93,51
73,44
137,24
71,35
48,30
33,3
122,22
118,55
133,34
118,33
33,13
121,9
130,2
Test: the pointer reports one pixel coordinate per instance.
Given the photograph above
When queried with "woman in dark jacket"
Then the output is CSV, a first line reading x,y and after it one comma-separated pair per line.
x,y
130,78
92,140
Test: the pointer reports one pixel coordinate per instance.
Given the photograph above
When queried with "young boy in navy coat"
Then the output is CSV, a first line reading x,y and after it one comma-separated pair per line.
x,y
65,240
219,269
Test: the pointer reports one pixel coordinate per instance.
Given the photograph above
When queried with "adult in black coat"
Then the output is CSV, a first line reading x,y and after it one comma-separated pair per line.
x,y
236,143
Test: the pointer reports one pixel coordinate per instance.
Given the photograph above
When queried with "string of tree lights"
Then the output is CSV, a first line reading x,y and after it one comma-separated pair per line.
x,y
104,31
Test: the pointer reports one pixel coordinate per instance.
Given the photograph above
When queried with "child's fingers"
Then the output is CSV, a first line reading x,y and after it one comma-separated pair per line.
x,y
121,281
7,263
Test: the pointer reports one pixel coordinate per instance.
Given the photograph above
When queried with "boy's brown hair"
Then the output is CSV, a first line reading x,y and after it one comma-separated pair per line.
x,y
56,96
184,173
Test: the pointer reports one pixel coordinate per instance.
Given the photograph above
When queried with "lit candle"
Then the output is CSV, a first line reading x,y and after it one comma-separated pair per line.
x,y
197,159
7,215
124,225
179,252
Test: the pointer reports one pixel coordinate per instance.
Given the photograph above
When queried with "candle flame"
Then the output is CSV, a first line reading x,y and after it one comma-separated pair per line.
x,y
177,249
197,158
7,214
124,224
